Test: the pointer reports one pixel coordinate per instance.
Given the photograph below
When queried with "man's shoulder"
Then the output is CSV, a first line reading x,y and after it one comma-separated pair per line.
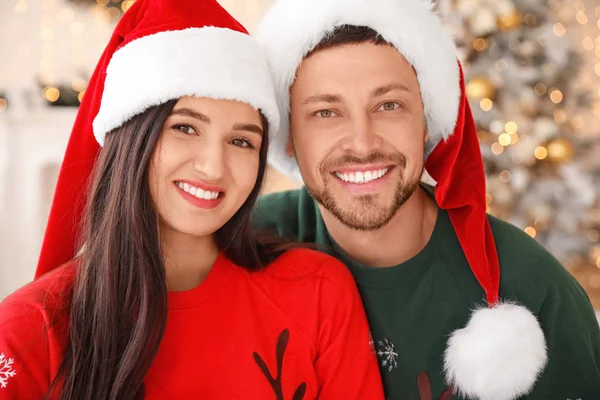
x,y
518,252
289,214
529,272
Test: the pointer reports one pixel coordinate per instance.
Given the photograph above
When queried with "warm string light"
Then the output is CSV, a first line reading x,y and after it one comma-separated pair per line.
x,y
511,127
497,148
21,6
79,85
581,17
113,14
530,230
504,139
3,104
51,93
541,153
505,176
559,29
560,116
486,104
480,44
127,5
556,96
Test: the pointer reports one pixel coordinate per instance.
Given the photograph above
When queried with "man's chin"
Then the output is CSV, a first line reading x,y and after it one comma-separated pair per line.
x,y
362,212
365,211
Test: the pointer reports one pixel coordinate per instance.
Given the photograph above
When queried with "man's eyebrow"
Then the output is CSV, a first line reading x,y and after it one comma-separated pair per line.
x,y
380,91
323,98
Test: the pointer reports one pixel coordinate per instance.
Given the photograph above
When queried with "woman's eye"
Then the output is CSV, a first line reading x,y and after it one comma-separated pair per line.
x,y
325,114
389,106
241,143
188,130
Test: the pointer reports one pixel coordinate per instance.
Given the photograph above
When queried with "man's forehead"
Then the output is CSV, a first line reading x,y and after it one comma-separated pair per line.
x,y
384,69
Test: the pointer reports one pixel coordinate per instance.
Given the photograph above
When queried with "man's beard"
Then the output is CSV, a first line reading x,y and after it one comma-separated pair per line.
x,y
366,214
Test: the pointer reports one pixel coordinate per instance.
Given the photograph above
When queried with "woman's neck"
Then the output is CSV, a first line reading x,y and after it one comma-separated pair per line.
x,y
188,259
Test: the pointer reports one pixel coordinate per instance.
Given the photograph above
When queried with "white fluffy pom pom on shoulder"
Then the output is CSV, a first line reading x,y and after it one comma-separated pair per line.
x,y
498,355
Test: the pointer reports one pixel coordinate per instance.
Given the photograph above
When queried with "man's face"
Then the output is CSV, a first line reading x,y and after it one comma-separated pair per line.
x,y
358,131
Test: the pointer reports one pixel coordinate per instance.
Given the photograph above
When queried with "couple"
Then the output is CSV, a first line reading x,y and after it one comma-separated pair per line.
x,y
152,284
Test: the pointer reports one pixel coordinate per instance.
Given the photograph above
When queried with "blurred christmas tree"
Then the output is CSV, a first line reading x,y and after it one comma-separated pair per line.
x,y
541,155
114,8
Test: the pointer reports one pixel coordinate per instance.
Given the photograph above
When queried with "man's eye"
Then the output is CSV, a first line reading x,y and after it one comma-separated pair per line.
x,y
325,114
389,106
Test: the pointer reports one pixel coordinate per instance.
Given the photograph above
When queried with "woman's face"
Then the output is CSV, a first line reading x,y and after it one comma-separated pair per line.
x,y
205,164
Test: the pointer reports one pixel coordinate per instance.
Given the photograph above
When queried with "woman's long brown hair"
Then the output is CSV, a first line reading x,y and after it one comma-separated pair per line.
x,y
118,310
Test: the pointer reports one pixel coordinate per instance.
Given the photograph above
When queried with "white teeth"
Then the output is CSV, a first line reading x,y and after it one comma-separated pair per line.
x,y
359,177
362,177
197,192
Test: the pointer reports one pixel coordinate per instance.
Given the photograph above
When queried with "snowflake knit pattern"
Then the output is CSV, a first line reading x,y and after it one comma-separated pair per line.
x,y
6,371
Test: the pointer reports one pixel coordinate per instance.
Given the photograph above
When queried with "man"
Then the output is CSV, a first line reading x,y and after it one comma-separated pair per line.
x,y
459,302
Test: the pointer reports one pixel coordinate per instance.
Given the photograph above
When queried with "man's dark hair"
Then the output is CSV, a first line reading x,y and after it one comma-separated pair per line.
x,y
349,34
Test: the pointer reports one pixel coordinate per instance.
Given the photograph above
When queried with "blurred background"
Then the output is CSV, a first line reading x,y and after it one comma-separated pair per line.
x,y
533,73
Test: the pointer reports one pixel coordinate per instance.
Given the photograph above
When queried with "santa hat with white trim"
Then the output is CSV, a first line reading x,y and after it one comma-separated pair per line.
x,y
502,350
160,50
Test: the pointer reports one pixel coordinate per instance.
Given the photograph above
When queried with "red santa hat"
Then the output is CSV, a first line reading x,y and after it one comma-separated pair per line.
x,y
502,349
161,50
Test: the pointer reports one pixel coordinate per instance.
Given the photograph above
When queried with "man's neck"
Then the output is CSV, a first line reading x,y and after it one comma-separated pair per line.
x,y
402,238
188,259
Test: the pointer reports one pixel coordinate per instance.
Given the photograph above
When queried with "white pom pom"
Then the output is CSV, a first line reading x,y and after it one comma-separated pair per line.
x,y
498,355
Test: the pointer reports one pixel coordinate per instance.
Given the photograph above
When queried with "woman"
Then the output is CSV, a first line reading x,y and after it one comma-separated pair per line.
x,y
171,296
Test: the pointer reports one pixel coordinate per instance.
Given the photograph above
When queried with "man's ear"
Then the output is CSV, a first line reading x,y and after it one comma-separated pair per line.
x,y
289,147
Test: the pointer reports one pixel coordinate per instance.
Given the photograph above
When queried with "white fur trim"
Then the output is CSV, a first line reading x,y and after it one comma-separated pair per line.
x,y
498,355
292,28
204,62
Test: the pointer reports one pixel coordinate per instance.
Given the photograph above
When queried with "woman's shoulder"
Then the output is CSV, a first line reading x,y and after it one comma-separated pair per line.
x,y
33,331
308,290
49,292
303,263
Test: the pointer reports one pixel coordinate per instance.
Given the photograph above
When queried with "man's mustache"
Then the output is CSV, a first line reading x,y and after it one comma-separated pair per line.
x,y
396,159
